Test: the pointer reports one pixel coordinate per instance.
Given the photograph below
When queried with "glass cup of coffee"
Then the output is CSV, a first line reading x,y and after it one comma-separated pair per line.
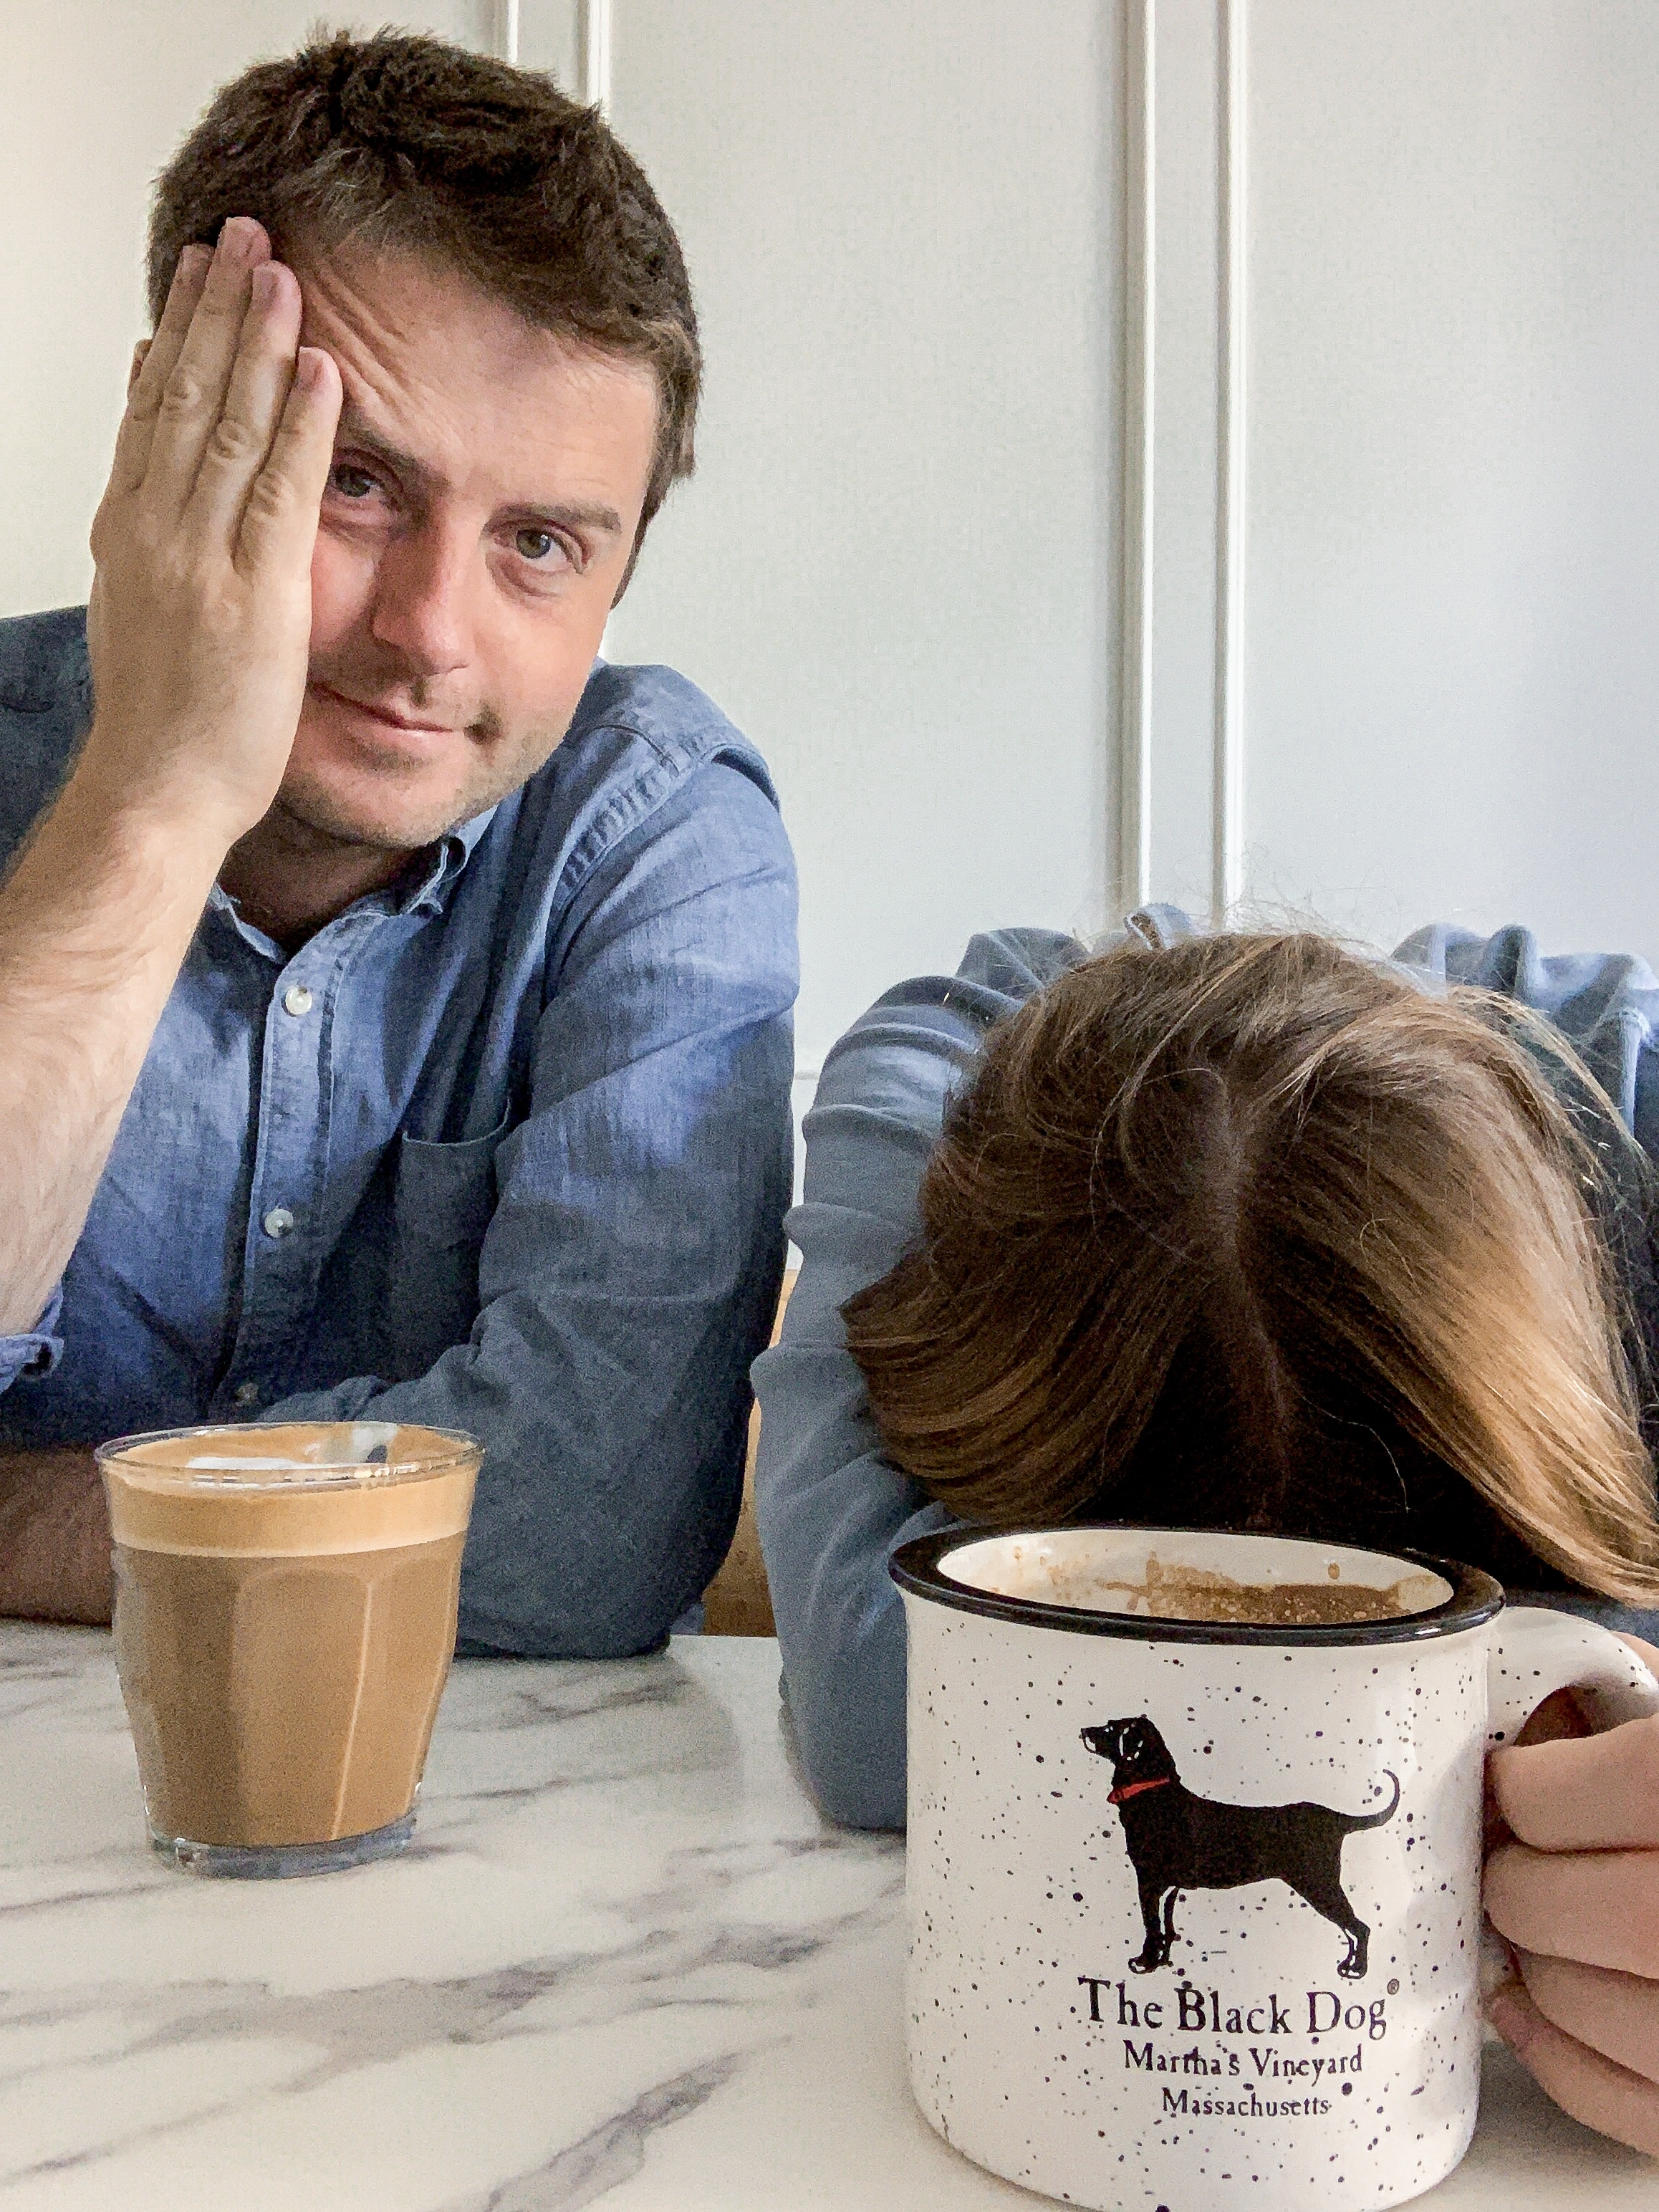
x,y
285,1608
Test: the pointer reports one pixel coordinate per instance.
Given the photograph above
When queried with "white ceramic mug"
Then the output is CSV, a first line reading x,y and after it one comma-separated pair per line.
x,y
1194,1907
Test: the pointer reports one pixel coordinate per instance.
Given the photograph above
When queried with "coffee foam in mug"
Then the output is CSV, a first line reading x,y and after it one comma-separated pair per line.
x,y
1048,1571
1187,1593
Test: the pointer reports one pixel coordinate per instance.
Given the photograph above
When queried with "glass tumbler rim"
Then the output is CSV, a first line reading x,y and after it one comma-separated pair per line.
x,y
117,1452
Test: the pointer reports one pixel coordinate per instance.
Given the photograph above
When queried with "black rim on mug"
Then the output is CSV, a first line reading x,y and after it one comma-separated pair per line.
x,y
919,1568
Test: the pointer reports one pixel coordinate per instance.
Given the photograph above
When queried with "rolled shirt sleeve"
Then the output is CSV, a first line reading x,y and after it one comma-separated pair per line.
x,y
37,1350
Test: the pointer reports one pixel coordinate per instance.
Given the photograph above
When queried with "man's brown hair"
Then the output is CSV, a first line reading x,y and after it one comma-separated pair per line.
x,y
405,144
1250,1231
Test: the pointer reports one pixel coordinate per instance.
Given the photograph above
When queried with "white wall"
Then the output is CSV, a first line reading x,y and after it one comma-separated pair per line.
x,y
1401,454
895,566
1453,626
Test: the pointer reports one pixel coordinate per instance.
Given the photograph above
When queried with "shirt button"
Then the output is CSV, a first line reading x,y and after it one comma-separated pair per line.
x,y
247,1393
297,1000
278,1221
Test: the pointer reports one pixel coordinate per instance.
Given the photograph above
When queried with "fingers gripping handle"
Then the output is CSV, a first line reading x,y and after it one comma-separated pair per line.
x,y
1536,1652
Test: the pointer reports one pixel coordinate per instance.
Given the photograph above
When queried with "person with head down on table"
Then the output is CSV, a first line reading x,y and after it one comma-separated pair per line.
x,y
1251,1231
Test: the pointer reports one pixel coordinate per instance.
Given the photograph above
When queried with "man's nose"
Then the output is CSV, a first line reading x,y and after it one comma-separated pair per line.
x,y
423,607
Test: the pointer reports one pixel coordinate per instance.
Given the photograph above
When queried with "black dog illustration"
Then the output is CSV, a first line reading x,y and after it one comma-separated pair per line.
x,y
1177,1841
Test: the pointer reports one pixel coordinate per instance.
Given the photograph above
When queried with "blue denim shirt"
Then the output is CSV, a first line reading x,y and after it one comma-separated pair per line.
x,y
831,1507
504,1147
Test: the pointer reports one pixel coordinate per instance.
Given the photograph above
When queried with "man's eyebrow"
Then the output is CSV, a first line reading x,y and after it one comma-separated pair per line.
x,y
354,431
571,514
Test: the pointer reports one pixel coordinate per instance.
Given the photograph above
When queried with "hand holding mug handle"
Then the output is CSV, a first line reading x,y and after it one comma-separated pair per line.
x,y
1572,1879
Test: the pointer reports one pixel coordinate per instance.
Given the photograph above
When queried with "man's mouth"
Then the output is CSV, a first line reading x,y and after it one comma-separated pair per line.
x,y
387,717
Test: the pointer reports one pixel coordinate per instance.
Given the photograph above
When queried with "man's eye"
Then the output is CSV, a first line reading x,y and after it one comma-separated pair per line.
x,y
351,483
534,544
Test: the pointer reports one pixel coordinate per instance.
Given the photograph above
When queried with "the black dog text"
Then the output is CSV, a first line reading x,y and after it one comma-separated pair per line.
x,y
1192,2010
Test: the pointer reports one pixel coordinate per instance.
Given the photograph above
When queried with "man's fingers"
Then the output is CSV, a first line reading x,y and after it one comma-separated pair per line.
x,y
241,440
1599,1907
1596,1793
183,296
279,523
146,386
193,398
1617,2014
1594,2089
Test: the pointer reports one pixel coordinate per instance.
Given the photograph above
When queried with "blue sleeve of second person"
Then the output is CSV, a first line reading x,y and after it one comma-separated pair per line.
x,y
830,1507
1604,1004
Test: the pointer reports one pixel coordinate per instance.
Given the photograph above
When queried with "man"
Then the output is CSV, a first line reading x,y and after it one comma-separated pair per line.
x,y
394,1005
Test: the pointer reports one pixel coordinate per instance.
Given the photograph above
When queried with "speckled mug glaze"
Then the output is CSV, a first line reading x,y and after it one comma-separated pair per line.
x,y
1258,2053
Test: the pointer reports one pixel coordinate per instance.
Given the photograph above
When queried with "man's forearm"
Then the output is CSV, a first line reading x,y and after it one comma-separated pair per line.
x,y
54,1538
94,923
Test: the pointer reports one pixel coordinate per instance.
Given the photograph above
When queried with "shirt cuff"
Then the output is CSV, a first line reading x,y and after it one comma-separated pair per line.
x,y
37,1350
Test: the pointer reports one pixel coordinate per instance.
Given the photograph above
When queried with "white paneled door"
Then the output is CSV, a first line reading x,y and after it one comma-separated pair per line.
x,y
1394,587
1452,633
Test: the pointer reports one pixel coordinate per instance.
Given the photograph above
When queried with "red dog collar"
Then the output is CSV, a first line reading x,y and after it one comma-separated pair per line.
x,y
1122,1796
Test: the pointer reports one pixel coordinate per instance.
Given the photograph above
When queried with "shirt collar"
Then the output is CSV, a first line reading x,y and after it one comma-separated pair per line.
x,y
455,848
429,894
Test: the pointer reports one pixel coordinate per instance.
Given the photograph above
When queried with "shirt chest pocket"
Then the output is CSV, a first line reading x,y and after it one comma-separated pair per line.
x,y
443,1201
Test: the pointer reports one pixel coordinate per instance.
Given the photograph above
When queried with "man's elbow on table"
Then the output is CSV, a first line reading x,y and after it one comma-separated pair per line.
x,y
561,1629
54,1538
552,1588
556,1611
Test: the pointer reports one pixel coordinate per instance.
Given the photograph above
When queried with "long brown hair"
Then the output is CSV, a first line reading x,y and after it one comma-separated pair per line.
x,y
1250,1229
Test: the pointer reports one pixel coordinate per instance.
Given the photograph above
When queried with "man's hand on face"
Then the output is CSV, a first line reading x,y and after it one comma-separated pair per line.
x,y
1572,1885
200,620
199,632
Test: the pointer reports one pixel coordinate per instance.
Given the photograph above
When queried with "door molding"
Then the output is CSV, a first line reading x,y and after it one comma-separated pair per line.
x,y
1181,728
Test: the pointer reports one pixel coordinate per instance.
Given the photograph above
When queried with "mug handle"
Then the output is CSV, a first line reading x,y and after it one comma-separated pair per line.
x,y
1536,1651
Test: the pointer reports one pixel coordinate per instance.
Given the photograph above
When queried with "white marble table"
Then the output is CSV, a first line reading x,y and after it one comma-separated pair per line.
x,y
626,1964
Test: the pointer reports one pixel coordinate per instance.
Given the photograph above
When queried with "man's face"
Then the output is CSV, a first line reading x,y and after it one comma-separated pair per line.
x,y
487,486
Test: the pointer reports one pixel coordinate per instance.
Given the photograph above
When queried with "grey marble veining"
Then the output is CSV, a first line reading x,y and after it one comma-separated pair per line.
x,y
624,1964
